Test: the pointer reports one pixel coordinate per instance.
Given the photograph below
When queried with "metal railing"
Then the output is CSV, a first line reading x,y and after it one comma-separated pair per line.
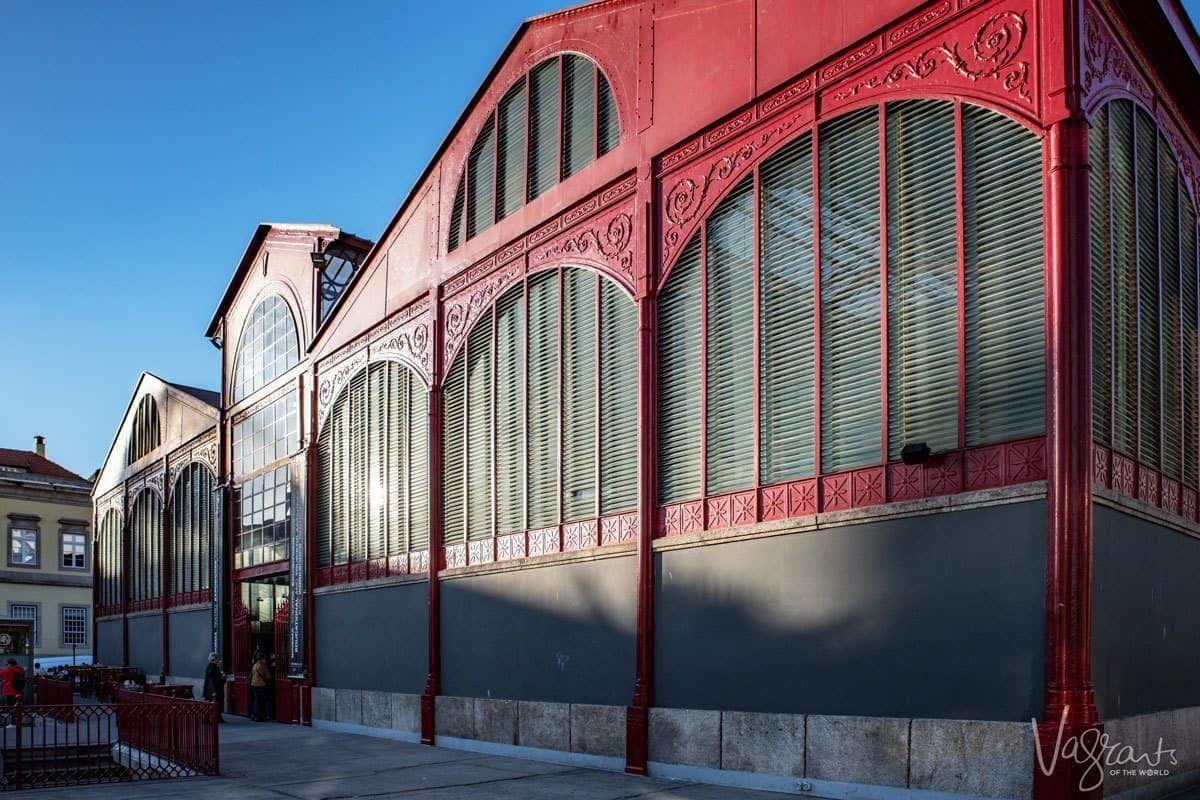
x,y
53,692
140,738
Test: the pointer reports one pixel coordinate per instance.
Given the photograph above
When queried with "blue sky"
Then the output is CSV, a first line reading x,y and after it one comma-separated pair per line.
x,y
142,142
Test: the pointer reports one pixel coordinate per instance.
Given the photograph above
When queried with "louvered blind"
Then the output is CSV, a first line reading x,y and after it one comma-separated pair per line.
x,y
579,394
618,400
210,530
729,352
1100,233
377,440
1124,254
453,455
456,213
679,386
1172,388
786,386
479,428
1188,268
922,276
481,181
396,488
357,466
418,464
851,401
579,114
543,404
338,484
510,410
1149,357
543,127
1005,327
510,139
608,132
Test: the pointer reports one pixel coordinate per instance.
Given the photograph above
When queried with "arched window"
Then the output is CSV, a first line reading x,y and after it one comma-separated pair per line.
x,y
1144,308
194,524
144,433
268,347
887,325
554,121
108,553
145,542
373,464
551,369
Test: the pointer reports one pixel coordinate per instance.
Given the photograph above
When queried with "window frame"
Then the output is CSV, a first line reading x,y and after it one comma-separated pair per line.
x,y
63,533
37,617
63,608
25,525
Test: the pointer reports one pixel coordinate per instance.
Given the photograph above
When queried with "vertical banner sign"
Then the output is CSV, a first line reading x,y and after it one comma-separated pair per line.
x,y
299,589
218,564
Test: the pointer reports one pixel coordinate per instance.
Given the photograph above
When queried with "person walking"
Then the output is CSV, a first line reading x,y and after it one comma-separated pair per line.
x,y
260,685
214,684
12,683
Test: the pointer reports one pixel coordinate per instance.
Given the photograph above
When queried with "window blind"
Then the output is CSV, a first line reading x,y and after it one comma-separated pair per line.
x,y
679,388
456,214
481,181
1188,269
357,466
543,402
453,455
786,388
1005,330
418,464
510,140
851,401
339,486
543,127
607,131
579,114
618,400
1124,244
1100,233
922,276
510,410
479,428
729,352
1169,297
1149,355
579,394
377,441
396,414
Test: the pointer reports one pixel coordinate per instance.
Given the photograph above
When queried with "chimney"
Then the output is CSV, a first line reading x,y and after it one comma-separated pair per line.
x,y
39,445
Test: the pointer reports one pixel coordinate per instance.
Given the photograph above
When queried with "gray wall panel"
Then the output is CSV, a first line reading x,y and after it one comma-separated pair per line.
x,y
372,638
930,616
108,646
191,641
560,633
1145,628
145,644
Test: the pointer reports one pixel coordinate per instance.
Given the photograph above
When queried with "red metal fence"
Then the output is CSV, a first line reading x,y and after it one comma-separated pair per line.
x,y
143,737
51,692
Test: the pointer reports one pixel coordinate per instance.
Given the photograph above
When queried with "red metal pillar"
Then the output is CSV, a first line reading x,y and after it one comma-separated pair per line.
x,y
638,711
1069,708
164,572
126,562
433,679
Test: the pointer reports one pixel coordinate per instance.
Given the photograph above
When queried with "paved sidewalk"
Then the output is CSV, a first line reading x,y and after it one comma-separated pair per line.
x,y
269,761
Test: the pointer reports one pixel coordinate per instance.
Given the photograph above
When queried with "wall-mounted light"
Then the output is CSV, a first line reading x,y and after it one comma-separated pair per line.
x,y
318,260
915,453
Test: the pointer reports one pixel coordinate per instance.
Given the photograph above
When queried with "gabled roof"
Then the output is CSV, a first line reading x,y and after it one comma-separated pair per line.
x,y
206,396
34,464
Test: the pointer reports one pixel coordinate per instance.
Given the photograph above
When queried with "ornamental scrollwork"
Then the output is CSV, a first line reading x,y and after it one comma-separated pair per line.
x,y
1103,59
992,53
609,240
330,383
464,309
409,342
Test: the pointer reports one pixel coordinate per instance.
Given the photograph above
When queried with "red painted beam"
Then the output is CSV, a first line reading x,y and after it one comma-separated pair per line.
x,y
433,679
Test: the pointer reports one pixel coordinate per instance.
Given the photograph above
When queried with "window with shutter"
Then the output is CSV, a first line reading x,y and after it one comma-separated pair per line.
x,y
481,181
510,410
543,127
376,498
1149,357
339,484
543,405
579,394
1124,266
785,384
453,454
1191,377
479,428
357,466
851,401
729,349
418,464
579,114
1169,298
510,142
456,214
1100,232
397,470
618,400
922,266
679,386
608,131
1003,263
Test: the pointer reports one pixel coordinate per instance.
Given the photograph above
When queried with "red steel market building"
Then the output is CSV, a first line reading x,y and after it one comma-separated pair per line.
x,y
719,404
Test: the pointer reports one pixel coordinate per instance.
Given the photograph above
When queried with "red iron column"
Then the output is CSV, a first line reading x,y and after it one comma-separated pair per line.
x,y
433,680
1069,708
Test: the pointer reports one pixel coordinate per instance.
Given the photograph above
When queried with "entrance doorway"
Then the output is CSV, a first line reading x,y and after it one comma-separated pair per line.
x,y
260,627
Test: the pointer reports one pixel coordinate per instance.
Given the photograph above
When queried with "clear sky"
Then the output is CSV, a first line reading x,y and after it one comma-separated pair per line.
x,y
141,143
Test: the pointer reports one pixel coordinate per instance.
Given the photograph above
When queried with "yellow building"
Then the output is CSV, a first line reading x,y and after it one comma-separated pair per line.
x,y
46,574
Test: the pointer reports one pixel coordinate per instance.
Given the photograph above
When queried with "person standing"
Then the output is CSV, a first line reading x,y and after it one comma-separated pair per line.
x,y
260,685
214,684
12,683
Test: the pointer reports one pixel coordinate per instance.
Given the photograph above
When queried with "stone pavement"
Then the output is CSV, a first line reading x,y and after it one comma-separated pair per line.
x,y
268,761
